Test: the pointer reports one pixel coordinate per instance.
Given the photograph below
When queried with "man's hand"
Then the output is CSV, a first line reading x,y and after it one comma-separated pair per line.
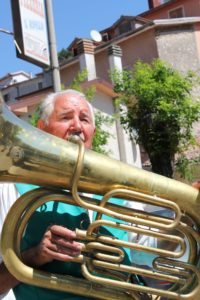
x,y
196,184
7,281
57,243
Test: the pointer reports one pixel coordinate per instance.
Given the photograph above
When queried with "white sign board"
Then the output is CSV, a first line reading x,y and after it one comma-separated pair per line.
x,y
34,30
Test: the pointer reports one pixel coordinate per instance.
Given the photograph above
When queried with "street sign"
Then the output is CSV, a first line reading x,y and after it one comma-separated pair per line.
x,y
30,31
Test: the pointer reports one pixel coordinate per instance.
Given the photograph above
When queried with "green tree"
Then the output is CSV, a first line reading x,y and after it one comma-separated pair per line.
x,y
102,135
64,54
76,85
35,116
158,110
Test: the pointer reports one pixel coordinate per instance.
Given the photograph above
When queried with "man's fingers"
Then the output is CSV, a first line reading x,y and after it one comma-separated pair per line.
x,y
63,238
62,255
63,232
58,243
64,243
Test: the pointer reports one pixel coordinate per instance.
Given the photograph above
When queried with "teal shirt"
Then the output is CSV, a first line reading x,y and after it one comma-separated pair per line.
x,y
66,215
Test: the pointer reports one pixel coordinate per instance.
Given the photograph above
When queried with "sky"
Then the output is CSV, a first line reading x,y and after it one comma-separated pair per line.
x,y
71,19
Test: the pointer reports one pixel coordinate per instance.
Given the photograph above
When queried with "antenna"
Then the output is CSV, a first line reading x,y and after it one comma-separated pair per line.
x,y
11,33
95,35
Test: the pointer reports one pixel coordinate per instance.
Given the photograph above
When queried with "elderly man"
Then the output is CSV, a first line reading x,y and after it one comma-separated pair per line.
x,y
51,247
49,242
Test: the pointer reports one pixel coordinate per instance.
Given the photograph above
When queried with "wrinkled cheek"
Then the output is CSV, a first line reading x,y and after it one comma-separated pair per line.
x,y
59,131
88,143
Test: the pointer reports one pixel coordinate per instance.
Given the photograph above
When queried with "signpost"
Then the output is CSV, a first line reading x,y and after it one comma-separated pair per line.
x,y
35,36
30,31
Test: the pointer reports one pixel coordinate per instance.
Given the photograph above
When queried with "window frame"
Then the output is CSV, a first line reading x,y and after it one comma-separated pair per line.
x,y
174,9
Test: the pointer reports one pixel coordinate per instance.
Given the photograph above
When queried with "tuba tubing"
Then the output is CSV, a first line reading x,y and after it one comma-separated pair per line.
x,y
28,155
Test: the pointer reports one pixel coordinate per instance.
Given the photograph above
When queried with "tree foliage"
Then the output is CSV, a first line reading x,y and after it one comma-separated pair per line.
x,y
102,135
64,54
35,116
158,110
76,85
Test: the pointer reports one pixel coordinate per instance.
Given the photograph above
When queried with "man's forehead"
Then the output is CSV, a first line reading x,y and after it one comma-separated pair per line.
x,y
70,101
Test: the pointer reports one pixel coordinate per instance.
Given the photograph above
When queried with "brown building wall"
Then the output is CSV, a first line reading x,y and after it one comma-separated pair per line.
x,y
191,9
154,3
142,46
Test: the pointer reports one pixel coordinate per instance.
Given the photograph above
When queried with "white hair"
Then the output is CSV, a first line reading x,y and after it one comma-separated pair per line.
x,y
47,105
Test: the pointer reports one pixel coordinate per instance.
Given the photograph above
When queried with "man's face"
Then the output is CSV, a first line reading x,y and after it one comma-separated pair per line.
x,y
71,116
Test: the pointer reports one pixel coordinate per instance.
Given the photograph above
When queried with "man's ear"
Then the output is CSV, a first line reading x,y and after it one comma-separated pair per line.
x,y
40,124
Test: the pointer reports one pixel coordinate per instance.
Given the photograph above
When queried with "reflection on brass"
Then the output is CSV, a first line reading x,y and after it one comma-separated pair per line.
x,y
16,153
58,165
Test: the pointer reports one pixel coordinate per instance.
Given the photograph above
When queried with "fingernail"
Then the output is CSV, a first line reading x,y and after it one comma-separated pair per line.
x,y
80,247
73,235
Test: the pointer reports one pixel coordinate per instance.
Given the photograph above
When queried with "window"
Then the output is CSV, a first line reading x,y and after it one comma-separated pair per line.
x,y
6,97
176,13
105,37
124,27
40,85
75,52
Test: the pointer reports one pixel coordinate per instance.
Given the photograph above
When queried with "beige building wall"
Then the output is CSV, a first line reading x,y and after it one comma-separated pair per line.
x,y
69,72
178,47
197,37
104,103
102,65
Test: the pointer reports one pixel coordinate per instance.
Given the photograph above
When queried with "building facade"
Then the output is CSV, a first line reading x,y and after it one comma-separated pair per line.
x,y
169,30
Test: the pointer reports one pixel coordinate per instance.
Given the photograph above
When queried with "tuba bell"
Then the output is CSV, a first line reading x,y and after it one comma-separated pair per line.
x,y
28,155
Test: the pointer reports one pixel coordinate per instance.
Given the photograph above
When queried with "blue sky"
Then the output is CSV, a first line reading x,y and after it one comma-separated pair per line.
x,y
72,19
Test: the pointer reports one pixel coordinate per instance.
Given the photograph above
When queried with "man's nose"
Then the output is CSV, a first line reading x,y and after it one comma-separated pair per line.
x,y
76,124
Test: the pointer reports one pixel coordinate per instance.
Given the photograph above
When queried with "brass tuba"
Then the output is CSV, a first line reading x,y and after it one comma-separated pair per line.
x,y
29,155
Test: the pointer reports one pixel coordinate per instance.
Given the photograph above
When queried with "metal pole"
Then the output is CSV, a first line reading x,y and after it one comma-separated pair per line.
x,y
52,47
